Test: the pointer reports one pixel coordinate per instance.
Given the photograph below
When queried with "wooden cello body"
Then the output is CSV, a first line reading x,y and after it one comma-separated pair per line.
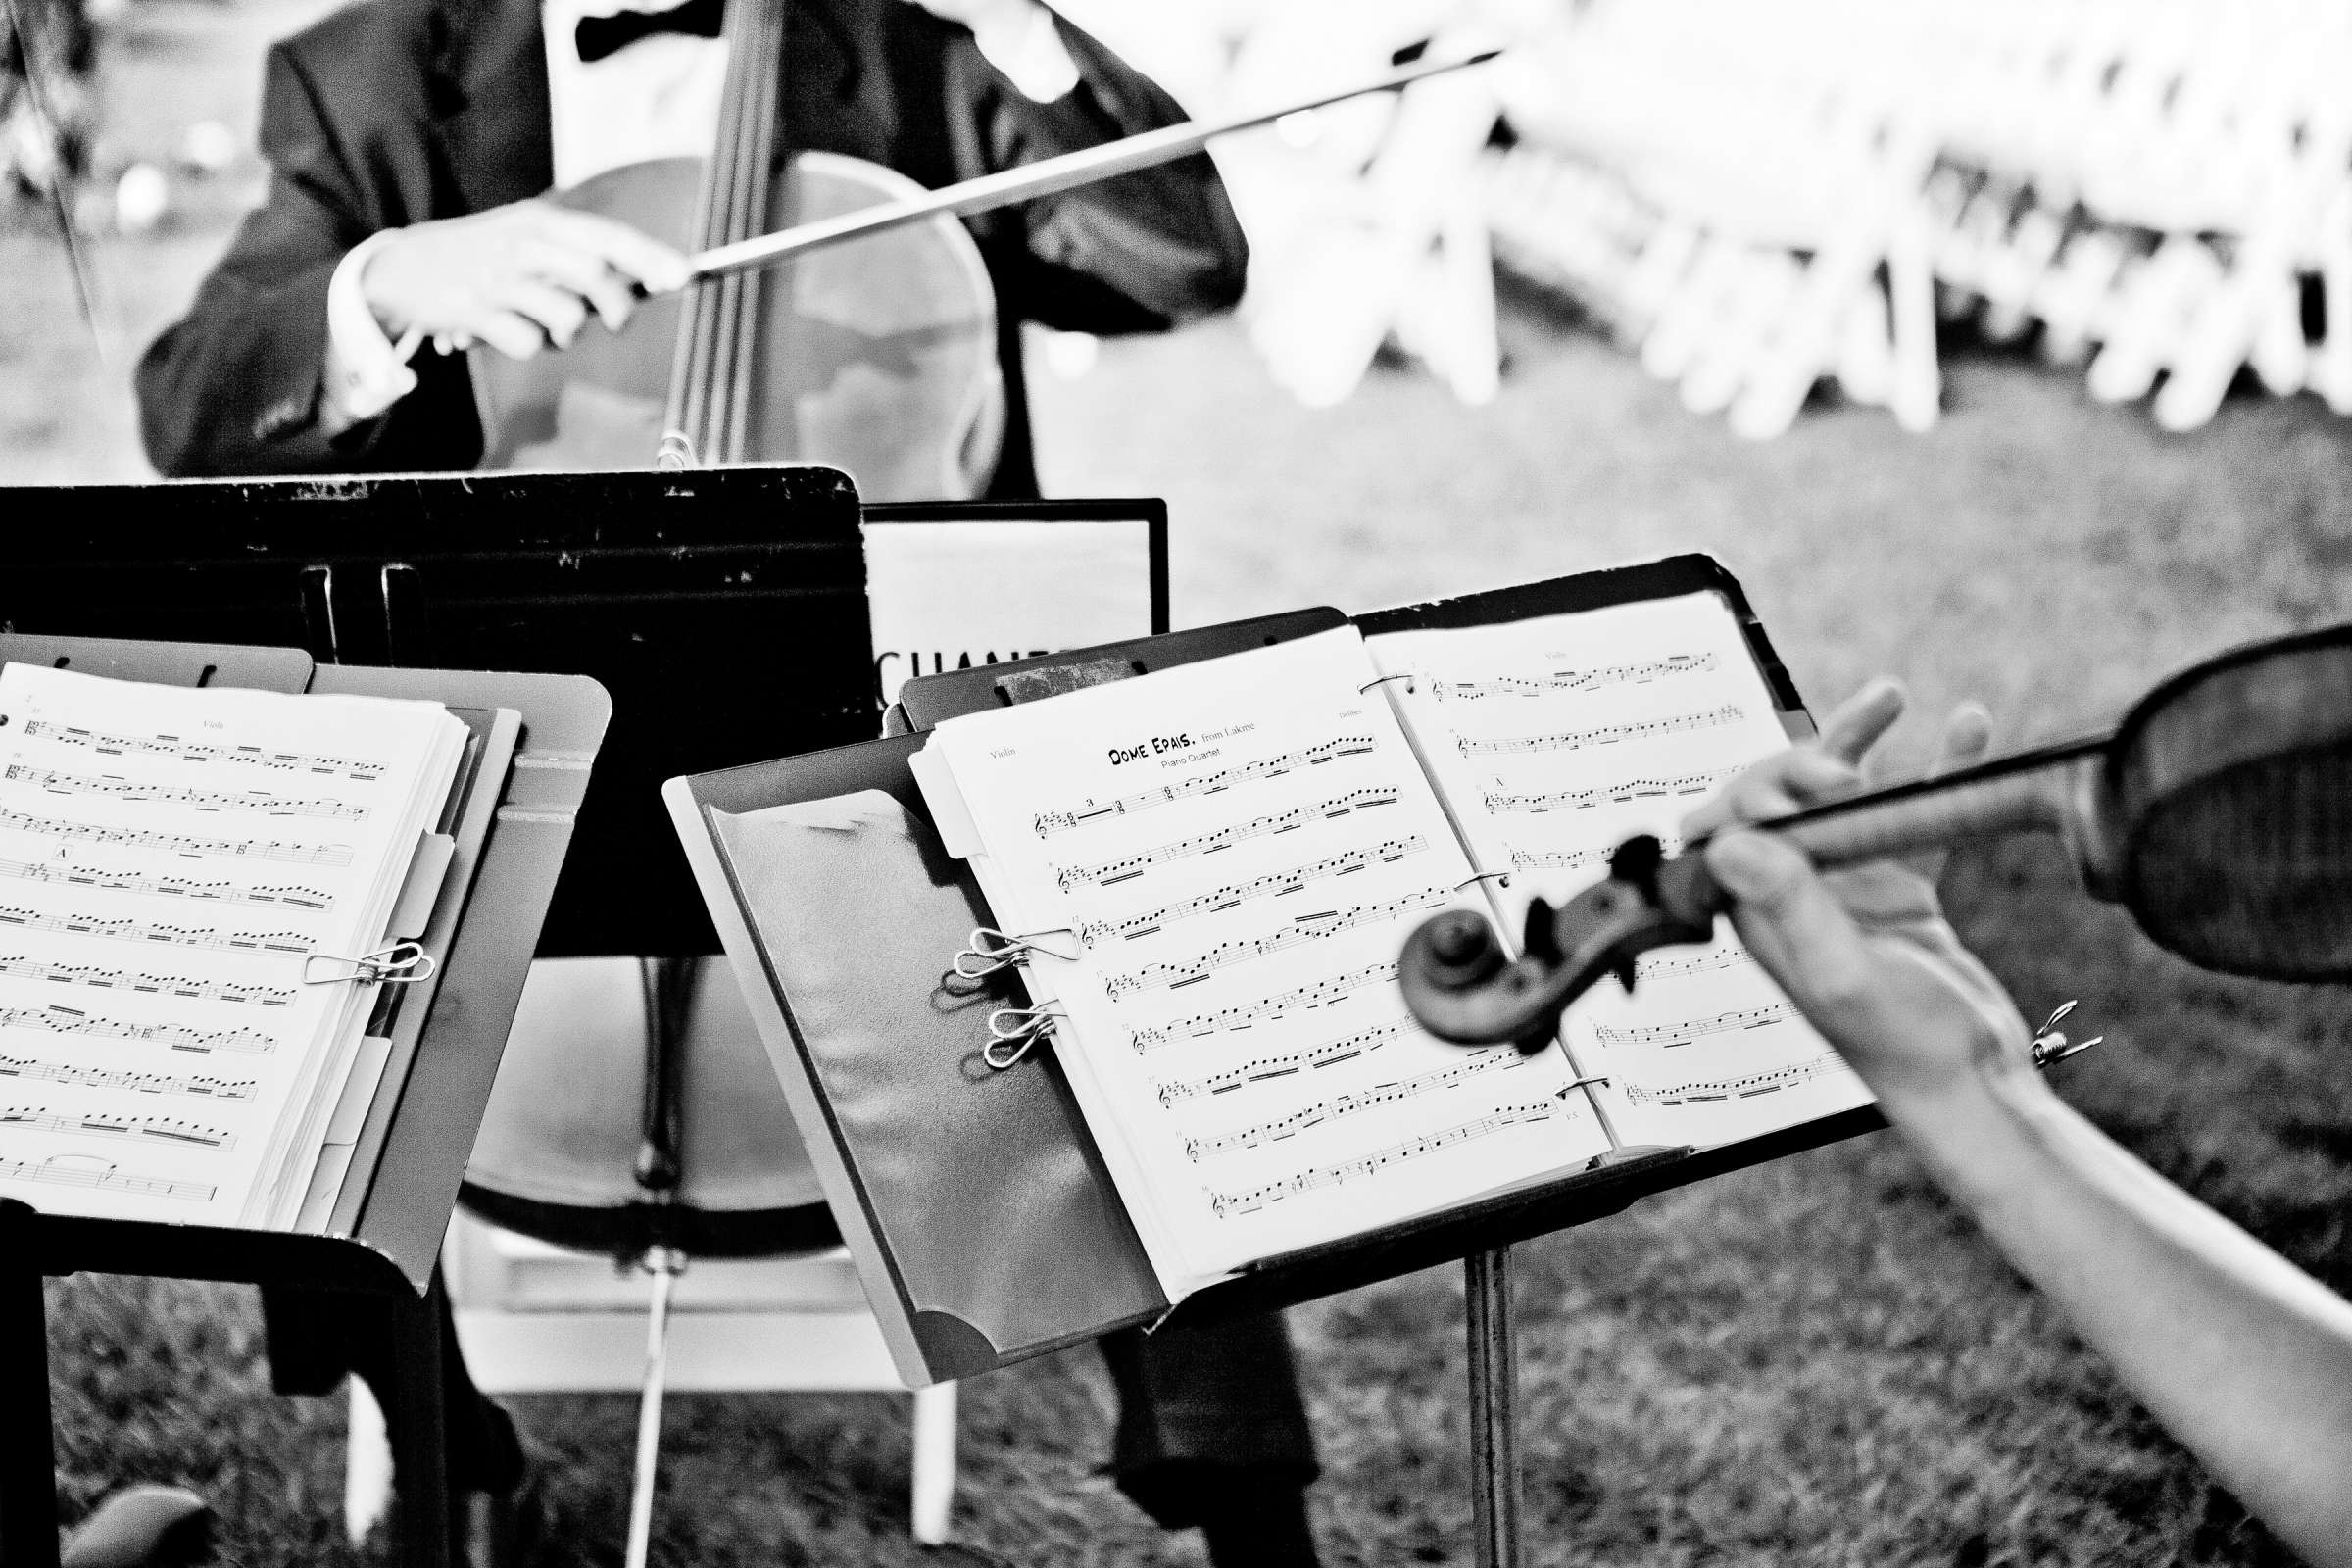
x,y
878,355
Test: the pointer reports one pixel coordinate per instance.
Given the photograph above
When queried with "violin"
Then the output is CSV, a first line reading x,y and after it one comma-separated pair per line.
x,y
2219,813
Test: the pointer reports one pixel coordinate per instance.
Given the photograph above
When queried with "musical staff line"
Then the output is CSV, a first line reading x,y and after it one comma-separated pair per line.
x,y
171,746
1303,928
1501,802
1113,873
1671,1035
1246,1015
57,827
1272,885
74,925
1576,680
1699,1091
299,897
1603,735
1328,1054
165,1129
144,1083
1049,823
1499,1059
89,974
1228,1205
104,1178
254,801
198,1042
1662,962
1575,860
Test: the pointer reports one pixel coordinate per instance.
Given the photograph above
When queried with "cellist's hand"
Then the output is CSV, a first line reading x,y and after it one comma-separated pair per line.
x,y
519,278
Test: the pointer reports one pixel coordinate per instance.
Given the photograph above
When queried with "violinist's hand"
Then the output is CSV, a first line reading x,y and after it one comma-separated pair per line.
x,y
519,278
1865,952
978,14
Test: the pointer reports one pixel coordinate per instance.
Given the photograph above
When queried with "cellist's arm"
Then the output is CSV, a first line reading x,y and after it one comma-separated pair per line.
x,y
1134,254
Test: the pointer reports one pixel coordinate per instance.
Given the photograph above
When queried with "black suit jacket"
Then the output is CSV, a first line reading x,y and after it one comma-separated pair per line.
x,y
396,111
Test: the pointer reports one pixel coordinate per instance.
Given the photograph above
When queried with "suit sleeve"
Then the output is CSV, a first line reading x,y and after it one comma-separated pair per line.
x,y
234,386
1135,253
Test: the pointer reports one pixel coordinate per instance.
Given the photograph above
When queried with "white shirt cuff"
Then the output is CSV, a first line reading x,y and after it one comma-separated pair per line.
x,y
366,373
1024,44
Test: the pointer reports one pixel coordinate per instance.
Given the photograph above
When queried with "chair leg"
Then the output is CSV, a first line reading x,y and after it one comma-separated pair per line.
x,y
934,1462
665,1264
366,1465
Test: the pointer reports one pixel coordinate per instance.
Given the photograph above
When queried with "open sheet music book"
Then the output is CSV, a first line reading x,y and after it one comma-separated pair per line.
x,y
185,875
1220,861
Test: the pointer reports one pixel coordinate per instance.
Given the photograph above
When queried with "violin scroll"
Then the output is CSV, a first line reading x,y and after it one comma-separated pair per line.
x,y
1461,986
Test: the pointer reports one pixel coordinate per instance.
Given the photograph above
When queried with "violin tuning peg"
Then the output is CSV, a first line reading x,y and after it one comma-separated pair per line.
x,y
1541,938
1625,971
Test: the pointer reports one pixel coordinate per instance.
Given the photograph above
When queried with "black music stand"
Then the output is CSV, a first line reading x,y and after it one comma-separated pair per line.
x,y
509,819
723,609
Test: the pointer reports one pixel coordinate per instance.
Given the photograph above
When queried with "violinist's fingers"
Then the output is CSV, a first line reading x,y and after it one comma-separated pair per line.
x,y
1855,725
1966,737
1787,781
559,312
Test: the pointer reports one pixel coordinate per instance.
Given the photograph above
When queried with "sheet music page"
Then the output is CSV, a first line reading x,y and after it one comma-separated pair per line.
x,y
1238,848
1556,738
169,860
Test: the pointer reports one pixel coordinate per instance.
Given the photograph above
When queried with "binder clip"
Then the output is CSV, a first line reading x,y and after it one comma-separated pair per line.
x,y
1013,1031
403,963
2051,1042
990,950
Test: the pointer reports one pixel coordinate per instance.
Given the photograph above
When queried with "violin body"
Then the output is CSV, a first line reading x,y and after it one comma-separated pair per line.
x,y
878,355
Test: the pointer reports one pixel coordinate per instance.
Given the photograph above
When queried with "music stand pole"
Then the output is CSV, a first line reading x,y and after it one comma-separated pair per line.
x,y
1493,1408
28,1449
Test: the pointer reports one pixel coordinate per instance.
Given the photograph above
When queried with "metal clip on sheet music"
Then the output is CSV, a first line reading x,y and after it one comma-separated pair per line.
x,y
991,950
403,963
2051,1042
1013,1031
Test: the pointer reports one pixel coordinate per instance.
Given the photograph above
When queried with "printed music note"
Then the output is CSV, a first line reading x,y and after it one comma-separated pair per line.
x,y
1330,1053
62,1172
172,747
154,985
1063,822
1303,928
1702,1090
175,844
171,887
1321,994
1671,1035
1576,680
1228,1205
292,942
1502,1058
1128,869
1576,859
1538,802
1602,735
143,1083
1230,897
254,801
164,1129
1665,962
71,1021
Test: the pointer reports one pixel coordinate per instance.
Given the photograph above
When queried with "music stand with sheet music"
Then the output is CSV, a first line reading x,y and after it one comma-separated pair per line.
x,y
933,1234
533,739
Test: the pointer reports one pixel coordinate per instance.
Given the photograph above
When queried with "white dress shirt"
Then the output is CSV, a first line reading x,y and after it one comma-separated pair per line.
x,y
656,98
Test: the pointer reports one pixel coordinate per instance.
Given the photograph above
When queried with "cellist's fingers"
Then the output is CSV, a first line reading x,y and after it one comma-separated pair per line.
x,y
559,312
630,252
588,276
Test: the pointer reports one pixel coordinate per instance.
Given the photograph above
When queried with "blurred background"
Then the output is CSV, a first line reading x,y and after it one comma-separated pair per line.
x,y
2005,346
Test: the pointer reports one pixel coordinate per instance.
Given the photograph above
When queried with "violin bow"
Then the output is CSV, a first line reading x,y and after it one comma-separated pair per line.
x,y
30,49
1046,177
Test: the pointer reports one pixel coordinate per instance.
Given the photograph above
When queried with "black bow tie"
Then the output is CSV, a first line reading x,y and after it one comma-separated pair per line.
x,y
600,37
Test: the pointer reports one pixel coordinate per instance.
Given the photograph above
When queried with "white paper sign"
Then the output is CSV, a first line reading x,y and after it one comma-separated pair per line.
x,y
950,595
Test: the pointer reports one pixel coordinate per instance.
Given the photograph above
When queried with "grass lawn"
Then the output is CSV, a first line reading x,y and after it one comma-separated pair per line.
x,y
1809,1363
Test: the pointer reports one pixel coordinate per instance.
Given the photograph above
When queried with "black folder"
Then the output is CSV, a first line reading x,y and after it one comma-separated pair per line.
x,y
983,1223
